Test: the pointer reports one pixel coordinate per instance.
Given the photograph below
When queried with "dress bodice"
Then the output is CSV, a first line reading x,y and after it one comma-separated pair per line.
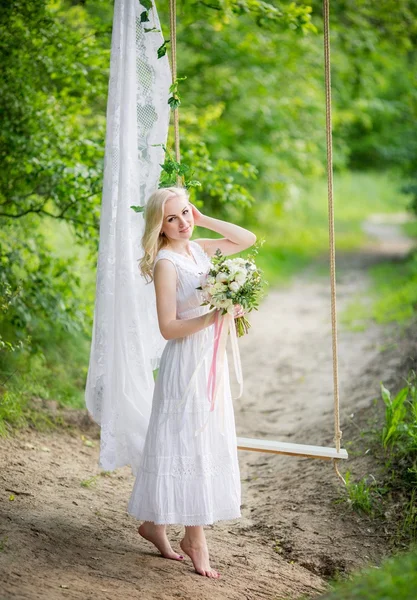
x,y
189,274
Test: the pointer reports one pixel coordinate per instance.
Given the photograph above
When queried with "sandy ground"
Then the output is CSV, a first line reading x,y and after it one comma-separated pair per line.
x,y
61,539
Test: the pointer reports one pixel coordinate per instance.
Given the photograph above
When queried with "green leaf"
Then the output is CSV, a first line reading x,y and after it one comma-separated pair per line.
x,y
138,209
162,50
144,16
192,184
146,4
174,102
386,395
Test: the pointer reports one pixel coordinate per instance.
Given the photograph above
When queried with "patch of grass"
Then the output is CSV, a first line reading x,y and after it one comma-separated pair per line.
x,y
396,578
105,474
399,434
56,373
394,445
361,495
298,232
3,544
392,296
396,449
11,413
356,315
395,414
16,412
395,290
90,482
408,527
410,228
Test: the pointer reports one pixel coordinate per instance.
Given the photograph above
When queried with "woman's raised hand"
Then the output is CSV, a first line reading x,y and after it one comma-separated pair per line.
x,y
197,215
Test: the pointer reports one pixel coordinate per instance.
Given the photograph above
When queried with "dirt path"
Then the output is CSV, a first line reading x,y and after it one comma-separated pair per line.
x,y
60,539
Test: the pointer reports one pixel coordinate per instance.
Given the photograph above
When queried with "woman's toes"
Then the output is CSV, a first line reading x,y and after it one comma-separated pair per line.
x,y
157,536
171,554
212,574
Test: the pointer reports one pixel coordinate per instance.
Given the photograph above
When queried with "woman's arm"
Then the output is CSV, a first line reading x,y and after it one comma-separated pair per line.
x,y
165,280
235,238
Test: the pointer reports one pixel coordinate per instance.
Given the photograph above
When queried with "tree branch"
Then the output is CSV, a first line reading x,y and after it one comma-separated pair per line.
x,y
48,214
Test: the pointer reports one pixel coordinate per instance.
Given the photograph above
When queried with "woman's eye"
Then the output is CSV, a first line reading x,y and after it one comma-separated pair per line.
x,y
185,211
171,219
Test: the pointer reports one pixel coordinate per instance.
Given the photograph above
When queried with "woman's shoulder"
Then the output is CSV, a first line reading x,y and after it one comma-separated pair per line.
x,y
162,253
166,254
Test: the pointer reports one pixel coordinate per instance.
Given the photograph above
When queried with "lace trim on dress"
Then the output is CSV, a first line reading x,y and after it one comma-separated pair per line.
x,y
186,264
188,521
207,465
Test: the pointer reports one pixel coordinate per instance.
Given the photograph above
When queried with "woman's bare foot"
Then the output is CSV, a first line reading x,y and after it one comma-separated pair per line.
x,y
157,535
195,546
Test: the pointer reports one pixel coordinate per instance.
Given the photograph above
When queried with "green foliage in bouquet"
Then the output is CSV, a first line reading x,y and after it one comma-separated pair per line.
x,y
234,282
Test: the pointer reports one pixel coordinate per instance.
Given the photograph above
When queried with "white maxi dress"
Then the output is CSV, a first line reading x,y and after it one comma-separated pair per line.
x,y
189,471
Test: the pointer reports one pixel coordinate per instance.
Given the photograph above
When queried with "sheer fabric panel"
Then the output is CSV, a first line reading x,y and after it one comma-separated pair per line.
x,y
126,343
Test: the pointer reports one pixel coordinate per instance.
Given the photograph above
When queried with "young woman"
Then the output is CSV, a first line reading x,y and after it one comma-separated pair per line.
x,y
189,472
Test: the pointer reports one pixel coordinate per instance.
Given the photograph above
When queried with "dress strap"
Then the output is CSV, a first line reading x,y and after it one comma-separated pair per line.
x,y
166,254
185,264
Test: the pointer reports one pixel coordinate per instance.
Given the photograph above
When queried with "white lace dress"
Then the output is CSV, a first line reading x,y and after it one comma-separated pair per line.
x,y
188,476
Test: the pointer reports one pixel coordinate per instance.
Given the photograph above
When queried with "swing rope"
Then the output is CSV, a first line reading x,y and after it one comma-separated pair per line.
x,y
173,38
173,34
337,430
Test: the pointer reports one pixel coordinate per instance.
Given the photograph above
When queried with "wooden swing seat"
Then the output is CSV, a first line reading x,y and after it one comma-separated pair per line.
x,y
275,447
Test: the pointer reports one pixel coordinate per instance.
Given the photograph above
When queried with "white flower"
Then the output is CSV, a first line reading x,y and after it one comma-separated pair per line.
x,y
206,294
240,277
225,303
235,262
232,266
221,277
234,286
218,288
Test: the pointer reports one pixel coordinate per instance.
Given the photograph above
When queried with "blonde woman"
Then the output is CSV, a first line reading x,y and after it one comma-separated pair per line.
x,y
189,471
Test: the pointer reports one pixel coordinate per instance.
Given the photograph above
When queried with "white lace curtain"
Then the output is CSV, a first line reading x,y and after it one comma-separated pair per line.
x,y
126,343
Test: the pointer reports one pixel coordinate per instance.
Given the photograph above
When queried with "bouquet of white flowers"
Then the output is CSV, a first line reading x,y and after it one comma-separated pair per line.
x,y
233,282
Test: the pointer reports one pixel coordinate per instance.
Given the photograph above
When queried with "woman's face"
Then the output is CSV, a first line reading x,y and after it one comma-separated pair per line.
x,y
178,223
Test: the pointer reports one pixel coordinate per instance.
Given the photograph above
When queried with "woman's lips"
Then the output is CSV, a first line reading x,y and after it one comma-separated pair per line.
x,y
185,230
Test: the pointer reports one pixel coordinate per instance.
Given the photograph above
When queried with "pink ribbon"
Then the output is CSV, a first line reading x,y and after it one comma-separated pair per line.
x,y
223,325
212,378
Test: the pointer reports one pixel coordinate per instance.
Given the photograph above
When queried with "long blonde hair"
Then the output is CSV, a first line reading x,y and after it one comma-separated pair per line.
x,y
152,241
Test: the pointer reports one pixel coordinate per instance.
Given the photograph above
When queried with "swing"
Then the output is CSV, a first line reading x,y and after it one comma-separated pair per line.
x,y
270,446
